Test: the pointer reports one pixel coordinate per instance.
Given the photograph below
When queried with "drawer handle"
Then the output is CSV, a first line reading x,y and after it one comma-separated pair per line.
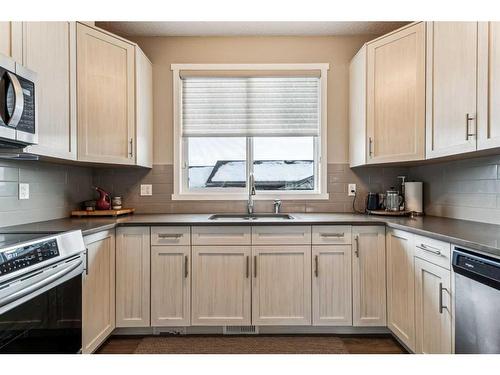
x,y
169,235
441,307
429,249
186,265
336,235
356,252
301,234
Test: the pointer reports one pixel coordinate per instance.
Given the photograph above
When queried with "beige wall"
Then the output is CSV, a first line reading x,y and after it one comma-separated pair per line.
x,y
337,51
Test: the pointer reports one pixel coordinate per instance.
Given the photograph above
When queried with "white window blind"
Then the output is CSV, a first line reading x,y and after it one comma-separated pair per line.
x,y
250,106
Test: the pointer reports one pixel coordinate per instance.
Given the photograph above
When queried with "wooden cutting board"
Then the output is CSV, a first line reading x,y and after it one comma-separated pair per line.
x,y
123,211
389,213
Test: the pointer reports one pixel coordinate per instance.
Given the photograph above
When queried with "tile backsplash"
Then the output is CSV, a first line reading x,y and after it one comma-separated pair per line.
x,y
465,189
126,183
54,190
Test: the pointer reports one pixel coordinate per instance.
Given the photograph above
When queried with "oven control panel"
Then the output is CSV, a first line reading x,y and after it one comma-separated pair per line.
x,y
22,257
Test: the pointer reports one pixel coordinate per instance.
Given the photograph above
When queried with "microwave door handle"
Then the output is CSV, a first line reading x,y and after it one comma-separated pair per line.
x,y
18,101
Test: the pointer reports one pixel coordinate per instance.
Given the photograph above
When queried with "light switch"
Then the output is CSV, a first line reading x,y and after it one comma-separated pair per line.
x,y
24,191
146,189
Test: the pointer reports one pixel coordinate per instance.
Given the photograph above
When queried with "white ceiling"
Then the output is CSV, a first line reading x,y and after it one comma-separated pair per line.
x,y
248,28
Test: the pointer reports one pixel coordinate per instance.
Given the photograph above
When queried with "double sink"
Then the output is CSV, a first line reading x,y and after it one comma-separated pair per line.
x,y
250,216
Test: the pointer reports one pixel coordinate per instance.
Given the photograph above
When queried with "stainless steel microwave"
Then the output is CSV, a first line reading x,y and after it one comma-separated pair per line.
x,y
18,109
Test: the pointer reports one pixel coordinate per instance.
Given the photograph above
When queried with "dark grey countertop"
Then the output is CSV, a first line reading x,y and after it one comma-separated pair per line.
x,y
478,236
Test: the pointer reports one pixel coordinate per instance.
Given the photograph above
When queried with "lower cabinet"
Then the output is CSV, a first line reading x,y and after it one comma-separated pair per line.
x,y
368,276
433,308
98,290
221,286
331,285
401,286
170,285
133,277
281,289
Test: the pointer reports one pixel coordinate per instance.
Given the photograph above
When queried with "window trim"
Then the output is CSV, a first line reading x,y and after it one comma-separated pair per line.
x,y
181,191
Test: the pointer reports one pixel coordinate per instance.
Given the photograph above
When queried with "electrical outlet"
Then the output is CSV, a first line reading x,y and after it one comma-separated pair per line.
x,y
146,189
351,190
24,191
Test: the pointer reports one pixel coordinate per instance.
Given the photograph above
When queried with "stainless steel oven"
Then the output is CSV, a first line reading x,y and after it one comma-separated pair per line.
x,y
18,109
41,295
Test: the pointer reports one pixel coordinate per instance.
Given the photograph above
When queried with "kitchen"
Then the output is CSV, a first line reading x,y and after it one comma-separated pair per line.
x,y
249,187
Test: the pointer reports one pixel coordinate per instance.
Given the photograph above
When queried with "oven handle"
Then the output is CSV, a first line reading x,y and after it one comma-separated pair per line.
x,y
18,101
42,283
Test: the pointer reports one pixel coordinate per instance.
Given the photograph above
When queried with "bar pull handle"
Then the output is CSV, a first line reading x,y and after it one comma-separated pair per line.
x,y
429,249
370,147
468,134
131,153
336,235
169,235
248,267
86,261
441,307
186,266
255,266
356,239
316,265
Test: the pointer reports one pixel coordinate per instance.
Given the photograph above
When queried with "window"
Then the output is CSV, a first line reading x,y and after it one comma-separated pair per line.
x,y
231,124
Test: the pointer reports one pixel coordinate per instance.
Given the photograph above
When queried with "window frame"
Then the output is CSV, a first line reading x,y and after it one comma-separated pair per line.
x,y
181,188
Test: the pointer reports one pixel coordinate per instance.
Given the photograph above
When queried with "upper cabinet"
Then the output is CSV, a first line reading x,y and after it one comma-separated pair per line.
x,y
488,118
387,98
95,91
11,40
49,50
396,96
106,113
451,87
426,91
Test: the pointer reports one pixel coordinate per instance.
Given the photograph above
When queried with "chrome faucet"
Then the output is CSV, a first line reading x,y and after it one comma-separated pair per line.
x,y
277,206
251,193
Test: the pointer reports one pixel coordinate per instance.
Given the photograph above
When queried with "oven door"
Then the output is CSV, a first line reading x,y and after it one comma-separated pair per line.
x,y
51,322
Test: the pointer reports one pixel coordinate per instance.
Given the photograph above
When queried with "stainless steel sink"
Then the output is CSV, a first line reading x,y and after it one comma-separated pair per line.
x,y
250,216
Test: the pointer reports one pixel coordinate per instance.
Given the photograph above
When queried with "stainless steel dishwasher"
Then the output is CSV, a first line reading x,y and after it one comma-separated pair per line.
x,y
477,302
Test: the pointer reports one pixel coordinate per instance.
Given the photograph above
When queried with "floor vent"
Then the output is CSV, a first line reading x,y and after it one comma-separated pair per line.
x,y
240,330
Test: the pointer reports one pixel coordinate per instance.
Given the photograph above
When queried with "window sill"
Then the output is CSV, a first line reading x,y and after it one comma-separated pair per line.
x,y
243,197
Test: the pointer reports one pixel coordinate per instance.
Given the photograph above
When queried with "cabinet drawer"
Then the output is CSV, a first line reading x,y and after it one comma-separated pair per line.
x,y
221,235
170,236
434,251
331,234
281,235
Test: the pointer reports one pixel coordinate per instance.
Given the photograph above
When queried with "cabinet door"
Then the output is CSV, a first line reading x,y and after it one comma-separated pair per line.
x,y
143,109
368,276
488,85
433,308
105,74
281,289
170,285
357,109
401,286
221,285
98,290
396,96
133,277
331,285
451,88
11,40
50,50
